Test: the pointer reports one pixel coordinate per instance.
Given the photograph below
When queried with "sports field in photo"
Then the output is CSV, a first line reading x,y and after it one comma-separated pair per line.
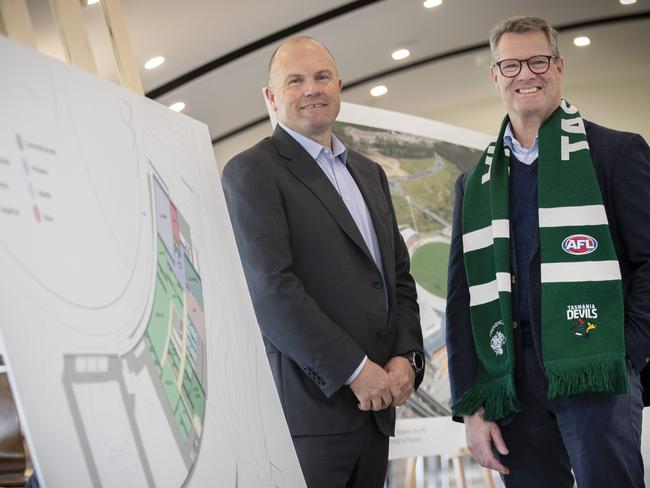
x,y
429,267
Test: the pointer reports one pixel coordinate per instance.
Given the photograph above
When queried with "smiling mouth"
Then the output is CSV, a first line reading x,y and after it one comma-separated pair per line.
x,y
315,105
528,91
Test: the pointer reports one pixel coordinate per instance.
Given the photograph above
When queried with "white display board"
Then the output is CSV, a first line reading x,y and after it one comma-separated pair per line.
x,y
132,346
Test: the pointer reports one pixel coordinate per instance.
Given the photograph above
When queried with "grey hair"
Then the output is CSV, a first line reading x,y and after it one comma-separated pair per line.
x,y
519,25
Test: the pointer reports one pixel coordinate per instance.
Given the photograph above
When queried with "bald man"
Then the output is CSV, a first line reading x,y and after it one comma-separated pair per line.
x,y
328,274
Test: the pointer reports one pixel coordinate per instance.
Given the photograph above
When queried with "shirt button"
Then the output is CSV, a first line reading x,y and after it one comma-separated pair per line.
x,y
515,325
377,284
513,279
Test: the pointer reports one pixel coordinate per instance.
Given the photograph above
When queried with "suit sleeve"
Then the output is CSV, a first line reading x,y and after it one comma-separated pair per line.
x,y
409,330
630,183
288,316
461,354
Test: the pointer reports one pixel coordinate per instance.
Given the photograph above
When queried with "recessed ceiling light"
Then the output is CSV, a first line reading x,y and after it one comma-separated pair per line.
x,y
154,62
582,41
432,3
401,54
627,2
91,2
378,90
177,107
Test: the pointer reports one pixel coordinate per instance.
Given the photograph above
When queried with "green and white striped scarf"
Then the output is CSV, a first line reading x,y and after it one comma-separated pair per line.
x,y
583,343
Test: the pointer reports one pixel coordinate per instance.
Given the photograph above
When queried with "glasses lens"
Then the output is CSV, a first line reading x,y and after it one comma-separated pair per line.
x,y
539,64
509,67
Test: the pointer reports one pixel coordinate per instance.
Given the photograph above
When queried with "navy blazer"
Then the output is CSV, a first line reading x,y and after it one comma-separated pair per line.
x,y
622,164
318,295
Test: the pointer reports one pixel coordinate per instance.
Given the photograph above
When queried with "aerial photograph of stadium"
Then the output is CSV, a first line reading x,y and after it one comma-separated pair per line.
x,y
421,172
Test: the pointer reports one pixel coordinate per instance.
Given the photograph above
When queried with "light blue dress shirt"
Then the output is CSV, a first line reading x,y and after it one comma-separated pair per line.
x,y
526,156
334,165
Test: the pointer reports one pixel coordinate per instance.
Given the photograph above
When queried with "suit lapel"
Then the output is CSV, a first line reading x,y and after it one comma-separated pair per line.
x,y
375,199
305,169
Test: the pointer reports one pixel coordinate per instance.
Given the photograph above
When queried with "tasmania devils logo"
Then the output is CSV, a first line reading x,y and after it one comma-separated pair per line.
x,y
579,244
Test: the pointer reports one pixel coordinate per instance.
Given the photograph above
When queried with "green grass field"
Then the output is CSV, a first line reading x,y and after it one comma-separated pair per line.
x,y
424,222
414,166
436,191
429,267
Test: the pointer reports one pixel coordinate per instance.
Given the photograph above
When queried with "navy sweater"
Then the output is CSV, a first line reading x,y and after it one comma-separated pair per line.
x,y
524,219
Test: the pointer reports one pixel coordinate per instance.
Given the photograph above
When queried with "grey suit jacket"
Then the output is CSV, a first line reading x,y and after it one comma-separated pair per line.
x,y
317,293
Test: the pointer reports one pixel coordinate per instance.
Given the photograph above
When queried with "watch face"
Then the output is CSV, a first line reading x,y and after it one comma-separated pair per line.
x,y
418,361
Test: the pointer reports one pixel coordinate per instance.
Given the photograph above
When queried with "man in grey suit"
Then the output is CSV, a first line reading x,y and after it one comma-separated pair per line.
x,y
328,274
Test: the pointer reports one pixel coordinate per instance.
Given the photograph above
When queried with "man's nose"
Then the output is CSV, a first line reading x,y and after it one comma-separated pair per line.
x,y
525,71
312,87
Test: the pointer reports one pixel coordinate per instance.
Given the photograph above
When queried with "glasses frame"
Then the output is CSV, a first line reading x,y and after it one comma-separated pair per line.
x,y
549,57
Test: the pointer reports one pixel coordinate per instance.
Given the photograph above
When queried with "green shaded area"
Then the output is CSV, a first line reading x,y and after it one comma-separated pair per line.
x,y
168,380
167,291
193,391
193,281
191,394
184,420
429,267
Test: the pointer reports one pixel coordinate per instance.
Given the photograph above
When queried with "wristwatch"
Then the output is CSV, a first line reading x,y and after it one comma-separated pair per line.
x,y
416,359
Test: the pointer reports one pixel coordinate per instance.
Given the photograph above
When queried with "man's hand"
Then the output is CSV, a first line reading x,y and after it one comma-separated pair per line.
x,y
371,387
480,434
401,377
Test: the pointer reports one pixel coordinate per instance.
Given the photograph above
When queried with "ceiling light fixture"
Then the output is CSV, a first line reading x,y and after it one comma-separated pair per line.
x,y
432,3
92,2
627,2
177,107
378,90
154,62
582,41
401,54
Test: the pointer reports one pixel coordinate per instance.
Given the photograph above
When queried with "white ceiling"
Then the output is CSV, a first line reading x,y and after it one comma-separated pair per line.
x,y
614,71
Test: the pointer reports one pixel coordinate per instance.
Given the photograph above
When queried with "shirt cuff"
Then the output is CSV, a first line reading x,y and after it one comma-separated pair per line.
x,y
357,371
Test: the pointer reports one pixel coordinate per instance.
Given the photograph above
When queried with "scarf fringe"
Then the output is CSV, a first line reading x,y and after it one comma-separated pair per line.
x,y
497,396
607,374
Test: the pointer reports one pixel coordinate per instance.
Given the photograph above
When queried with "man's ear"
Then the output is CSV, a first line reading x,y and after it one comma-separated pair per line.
x,y
560,65
493,75
268,94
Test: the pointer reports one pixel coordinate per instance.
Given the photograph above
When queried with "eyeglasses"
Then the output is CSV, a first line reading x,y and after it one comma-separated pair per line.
x,y
537,64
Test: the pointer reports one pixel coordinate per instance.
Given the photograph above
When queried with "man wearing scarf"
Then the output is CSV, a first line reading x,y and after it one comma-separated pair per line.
x,y
548,311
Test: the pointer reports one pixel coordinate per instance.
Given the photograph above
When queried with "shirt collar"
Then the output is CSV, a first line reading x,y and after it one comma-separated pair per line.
x,y
314,148
526,156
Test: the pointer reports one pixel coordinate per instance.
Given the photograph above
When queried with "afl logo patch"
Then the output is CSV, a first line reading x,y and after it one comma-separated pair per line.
x,y
579,244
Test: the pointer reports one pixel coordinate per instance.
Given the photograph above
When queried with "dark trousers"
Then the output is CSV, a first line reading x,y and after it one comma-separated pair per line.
x,y
596,434
350,460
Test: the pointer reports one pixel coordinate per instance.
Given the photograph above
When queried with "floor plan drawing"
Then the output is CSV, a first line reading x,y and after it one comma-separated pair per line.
x,y
130,339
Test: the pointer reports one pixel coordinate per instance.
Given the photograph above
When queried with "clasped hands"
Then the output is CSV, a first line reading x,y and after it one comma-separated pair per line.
x,y
377,388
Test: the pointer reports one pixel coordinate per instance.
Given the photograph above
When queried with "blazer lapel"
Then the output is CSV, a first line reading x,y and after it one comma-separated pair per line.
x,y
303,167
375,199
